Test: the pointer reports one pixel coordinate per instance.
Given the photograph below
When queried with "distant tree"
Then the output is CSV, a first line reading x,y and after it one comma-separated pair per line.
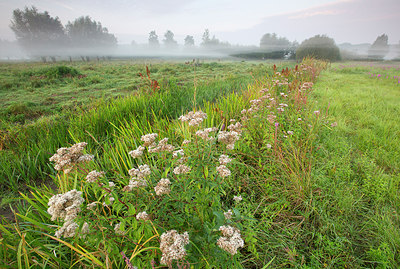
x,y
271,42
189,41
379,48
207,41
169,40
133,43
37,32
319,47
85,32
153,40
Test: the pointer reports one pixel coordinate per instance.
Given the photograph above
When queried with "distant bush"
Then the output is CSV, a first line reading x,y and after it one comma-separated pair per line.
x,y
281,54
54,72
319,47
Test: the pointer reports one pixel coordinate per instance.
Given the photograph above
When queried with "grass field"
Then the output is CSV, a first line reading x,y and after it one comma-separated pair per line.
x,y
315,162
81,100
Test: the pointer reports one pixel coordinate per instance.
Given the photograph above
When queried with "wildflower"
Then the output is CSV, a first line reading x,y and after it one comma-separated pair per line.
x,y
280,109
137,152
271,118
316,112
142,216
65,206
185,142
224,159
94,176
299,119
290,132
135,183
334,124
117,229
204,134
237,198
223,171
181,169
172,246
194,118
111,200
230,240
67,158
111,184
162,146
269,146
148,139
163,187
178,153
237,127
228,138
228,215
141,172
67,230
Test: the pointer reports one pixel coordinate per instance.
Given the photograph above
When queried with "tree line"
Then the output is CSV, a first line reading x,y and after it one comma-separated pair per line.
x,y
42,35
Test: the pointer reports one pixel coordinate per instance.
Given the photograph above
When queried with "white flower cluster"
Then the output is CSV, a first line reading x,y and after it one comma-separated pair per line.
x,y
66,207
228,138
172,246
228,215
137,152
118,230
148,139
135,183
185,142
178,153
237,127
163,187
223,171
194,118
182,169
204,134
142,216
230,240
162,146
141,172
67,158
94,176
224,159
237,198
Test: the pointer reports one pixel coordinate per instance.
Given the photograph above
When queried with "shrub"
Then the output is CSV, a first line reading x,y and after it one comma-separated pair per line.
x,y
319,47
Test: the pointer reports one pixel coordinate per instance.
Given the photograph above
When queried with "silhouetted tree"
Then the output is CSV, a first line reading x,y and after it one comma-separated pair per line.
x,y
169,40
37,32
319,47
379,48
85,32
153,40
189,41
207,41
271,42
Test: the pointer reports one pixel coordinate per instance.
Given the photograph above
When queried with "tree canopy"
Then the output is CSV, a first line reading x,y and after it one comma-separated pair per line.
x,y
319,47
169,40
207,41
153,39
37,31
271,42
379,48
189,41
85,32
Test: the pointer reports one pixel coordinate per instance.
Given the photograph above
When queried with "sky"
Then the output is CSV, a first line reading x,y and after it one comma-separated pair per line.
x,y
235,21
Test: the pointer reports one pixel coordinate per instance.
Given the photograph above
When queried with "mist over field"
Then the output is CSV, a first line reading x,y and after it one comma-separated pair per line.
x,y
66,31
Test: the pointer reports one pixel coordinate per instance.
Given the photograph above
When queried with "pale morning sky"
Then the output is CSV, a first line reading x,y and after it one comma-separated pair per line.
x,y
235,21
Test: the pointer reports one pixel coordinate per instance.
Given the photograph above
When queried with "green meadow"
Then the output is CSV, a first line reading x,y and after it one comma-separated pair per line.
x,y
311,181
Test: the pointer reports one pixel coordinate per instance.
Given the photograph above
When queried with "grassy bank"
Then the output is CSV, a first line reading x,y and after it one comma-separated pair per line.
x,y
314,164
32,130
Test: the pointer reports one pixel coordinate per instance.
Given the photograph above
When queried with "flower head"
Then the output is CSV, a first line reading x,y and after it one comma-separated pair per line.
x,y
230,240
172,246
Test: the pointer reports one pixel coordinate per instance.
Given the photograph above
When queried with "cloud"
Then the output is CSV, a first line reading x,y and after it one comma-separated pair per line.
x,y
316,13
